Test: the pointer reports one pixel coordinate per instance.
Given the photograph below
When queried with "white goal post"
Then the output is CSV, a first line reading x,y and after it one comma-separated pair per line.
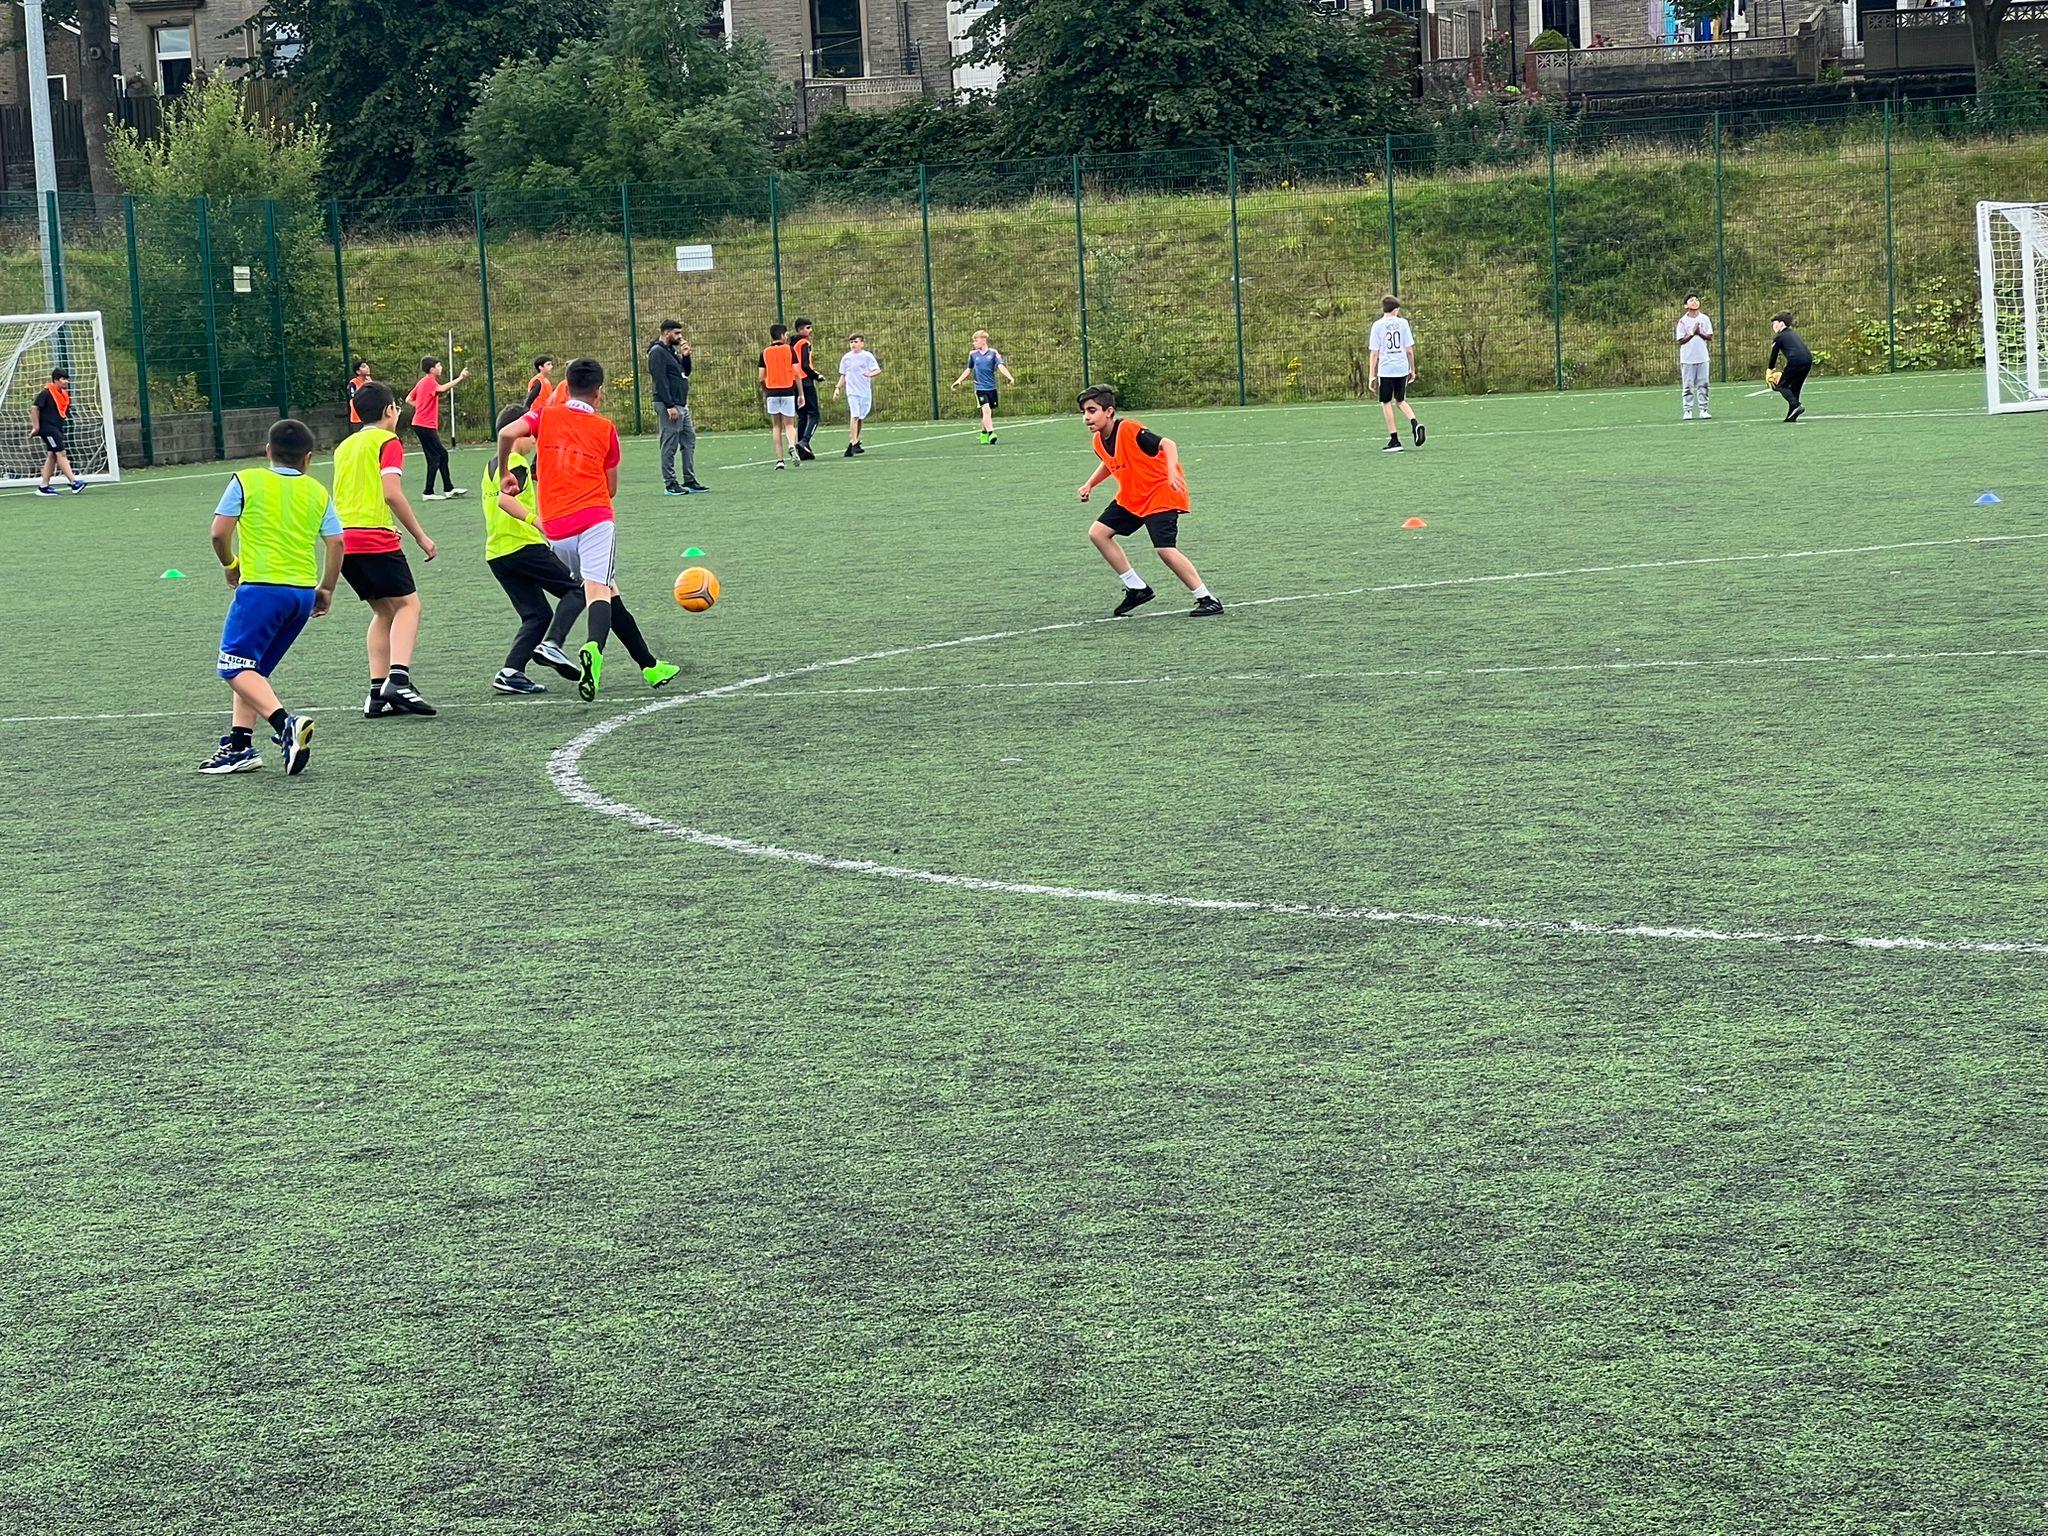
x,y
30,347
2012,270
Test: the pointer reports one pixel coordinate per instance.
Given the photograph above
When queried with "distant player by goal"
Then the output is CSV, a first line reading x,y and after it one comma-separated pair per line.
x,y
1390,368
53,425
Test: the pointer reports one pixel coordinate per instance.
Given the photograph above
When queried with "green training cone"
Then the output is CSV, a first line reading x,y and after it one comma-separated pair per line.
x,y
693,553
173,574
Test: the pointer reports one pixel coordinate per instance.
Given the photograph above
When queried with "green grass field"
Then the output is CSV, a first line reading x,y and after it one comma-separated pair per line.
x,y
413,1148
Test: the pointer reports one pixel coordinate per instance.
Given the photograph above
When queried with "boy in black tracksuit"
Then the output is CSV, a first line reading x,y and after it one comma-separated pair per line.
x,y
807,402
1798,363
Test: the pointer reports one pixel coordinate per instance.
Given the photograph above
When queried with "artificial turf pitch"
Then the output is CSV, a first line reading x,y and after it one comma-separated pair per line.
x,y
405,1148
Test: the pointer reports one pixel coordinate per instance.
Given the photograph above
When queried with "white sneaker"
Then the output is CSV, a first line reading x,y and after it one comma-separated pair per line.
x,y
433,496
1706,415
1686,417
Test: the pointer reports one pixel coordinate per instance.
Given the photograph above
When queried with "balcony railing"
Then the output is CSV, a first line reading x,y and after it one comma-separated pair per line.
x,y
1661,66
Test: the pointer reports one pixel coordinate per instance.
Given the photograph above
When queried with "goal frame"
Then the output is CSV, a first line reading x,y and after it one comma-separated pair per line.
x,y
97,321
2034,300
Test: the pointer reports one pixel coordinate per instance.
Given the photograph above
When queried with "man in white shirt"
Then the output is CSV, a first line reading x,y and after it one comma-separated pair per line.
x,y
1694,356
857,370
1391,369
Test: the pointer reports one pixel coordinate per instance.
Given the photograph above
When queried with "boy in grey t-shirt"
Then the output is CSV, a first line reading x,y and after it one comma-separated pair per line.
x,y
1694,357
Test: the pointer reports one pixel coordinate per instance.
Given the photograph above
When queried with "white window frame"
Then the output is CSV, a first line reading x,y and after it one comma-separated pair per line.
x,y
157,56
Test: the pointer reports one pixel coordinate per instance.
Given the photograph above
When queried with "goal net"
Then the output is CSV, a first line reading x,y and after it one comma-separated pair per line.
x,y
2012,267
31,348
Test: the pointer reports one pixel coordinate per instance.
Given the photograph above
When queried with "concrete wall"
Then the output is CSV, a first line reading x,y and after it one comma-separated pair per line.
x,y
186,437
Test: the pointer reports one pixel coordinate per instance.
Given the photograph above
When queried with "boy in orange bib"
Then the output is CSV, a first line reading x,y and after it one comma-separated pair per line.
x,y
1151,493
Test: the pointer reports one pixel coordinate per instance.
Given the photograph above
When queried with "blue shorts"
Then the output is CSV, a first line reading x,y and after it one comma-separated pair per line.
x,y
263,621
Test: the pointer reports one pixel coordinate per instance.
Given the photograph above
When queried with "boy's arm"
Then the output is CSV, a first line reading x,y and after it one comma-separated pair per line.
x,y
1372,366
323,599
1413,372
1004,370
224,548
394,498
444,388
512,507
1170,451
1101,474
964,374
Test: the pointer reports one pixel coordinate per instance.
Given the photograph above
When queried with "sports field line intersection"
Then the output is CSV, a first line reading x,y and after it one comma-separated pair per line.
x,y
1256,602
564,771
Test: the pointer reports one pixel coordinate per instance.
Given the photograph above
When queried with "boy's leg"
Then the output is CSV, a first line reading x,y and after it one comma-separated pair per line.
x,y
1164,529
1387,412
1184,568
379,643
404,630
567,612
1104,539
627,628
988,417
530,602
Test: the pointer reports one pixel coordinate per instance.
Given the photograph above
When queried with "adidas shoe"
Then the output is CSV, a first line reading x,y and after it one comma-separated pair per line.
x,y
375,707
1134,597
296,739
550,654
780,465
1205,608
405,698
232,759
516,682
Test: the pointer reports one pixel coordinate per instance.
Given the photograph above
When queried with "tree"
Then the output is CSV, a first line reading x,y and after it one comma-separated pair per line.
x,y
396,79
1158,73
210,146
1987,23
654,99
94,20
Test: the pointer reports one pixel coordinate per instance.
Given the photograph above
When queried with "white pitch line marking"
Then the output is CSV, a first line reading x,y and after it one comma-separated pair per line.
x,y
564,771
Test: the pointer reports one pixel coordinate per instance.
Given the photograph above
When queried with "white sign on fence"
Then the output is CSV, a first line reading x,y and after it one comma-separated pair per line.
x,y
693,258
244,283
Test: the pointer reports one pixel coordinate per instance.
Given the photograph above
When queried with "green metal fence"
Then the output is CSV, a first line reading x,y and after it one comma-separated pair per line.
x,y
1545,256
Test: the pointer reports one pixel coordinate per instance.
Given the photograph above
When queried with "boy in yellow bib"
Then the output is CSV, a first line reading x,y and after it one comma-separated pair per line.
x,y
368,495
527,568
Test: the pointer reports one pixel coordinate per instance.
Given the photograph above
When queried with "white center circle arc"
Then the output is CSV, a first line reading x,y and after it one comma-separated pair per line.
x,y
565,773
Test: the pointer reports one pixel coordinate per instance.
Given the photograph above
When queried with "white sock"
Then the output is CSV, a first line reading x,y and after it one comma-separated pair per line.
x,y
1201,591
1132,580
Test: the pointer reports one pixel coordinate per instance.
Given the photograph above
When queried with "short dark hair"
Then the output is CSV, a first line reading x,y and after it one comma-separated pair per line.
x,y
291,441
586,377
373,400
669,325
428,364
1783,317
801,322
59,373
1389,304
856,336
510,414
542,361
1097,394
362,363
777,331
1691,296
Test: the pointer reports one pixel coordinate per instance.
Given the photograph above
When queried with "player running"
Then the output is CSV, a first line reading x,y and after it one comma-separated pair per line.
x,y
1151,493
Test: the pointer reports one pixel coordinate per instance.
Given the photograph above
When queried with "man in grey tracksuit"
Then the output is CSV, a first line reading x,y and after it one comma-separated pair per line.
x,y
668,366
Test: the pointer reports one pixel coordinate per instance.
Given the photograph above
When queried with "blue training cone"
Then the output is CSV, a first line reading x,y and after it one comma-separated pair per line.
x,y
1987,500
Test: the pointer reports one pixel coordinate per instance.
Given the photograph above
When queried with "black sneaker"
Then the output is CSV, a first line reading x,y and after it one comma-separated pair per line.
x,y
1134,597
851,450
859,448
692,488
804,453
552,655
516,682
297,741
405,698
1205,608
673,490
1421,433
1393,444
1796,412
375,707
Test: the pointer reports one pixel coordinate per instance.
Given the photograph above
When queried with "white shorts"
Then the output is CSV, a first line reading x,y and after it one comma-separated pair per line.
x,y
858,406
590,555
782,405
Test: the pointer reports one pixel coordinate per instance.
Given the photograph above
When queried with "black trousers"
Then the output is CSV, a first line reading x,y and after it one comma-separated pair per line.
x,y
437,458
807,413
1792,379
529,576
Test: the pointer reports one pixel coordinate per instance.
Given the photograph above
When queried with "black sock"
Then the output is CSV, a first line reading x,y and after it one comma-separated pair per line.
x,y
277,718
627,628
600,621
376,685
239,736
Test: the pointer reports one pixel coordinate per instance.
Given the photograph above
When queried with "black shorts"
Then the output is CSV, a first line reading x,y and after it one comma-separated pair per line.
x,y
52,442
1393,389
534,564
986,397
384,574
1162,528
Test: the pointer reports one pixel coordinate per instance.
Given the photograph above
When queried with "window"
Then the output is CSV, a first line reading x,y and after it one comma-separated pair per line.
x,y
60,88
173,60
836,40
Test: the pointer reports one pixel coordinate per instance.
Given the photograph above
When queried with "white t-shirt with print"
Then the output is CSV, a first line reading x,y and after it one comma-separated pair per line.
x,y
1391,338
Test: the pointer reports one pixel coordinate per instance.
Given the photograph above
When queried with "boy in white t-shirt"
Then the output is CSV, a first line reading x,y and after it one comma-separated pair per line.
x,y
1694,357
1391,369
857,372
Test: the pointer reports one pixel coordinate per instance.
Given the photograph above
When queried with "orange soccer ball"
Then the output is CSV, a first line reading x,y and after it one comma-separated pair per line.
x,y
696,589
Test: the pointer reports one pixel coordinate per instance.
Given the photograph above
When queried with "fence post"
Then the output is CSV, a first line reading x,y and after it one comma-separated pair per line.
x,y
270,256
56,254
1081,274
141,347
348,362
1236,272
220,446
483,268
775,242
1720,251
931,323
1393,226
1556,277
1891,265
632,305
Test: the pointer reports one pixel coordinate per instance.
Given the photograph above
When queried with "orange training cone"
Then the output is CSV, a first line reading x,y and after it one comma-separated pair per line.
x,y
1415,522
